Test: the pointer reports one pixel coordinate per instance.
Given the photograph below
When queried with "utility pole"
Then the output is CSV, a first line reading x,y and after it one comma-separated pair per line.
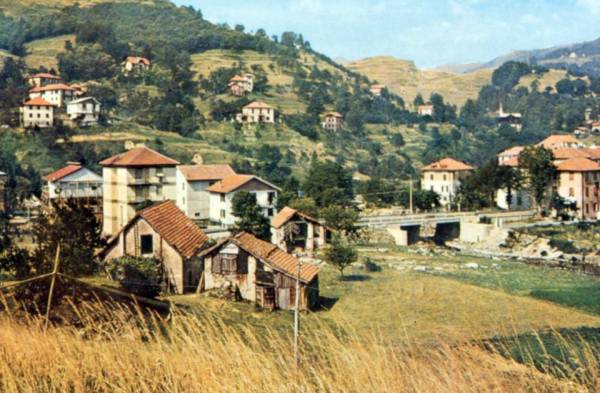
x,y
297,316
410,195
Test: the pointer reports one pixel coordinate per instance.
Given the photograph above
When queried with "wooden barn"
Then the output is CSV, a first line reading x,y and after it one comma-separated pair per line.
x,y
261,272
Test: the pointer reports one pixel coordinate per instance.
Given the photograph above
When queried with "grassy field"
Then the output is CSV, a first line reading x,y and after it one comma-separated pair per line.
x,y
44,52
403,78
570,238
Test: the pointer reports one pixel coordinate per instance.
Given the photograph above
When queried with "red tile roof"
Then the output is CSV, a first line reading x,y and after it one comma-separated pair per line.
x,y
54,86
233,182
448,164
513,151
63,172
333,114
139,157
205,172
38,101
175,228
258,105
271,255
45,75
564,153
514,162
286,214
578,165
553,140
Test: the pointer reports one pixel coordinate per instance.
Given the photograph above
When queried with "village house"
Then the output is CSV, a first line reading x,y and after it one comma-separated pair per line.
x,y
163,232
135,64
514,120
257,112
425,110
444,178
520,198
376,90
74,182
334,122
37,112
242,84
84,111
57,94
554,142
192,183
43,79
222,193
131,180
2,192
293,230
261,272
579,182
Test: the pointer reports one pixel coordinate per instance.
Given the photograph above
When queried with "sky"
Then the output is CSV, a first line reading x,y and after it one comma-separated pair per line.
x,y
429,32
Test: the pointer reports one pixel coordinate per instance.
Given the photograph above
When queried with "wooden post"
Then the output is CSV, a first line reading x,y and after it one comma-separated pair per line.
x,y
297,316
52,283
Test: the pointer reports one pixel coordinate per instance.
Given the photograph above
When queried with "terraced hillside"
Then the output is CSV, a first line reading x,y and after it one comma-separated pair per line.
x,y
403,78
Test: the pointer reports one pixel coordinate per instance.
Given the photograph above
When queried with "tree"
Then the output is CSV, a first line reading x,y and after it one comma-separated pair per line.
x,y
141,276
305,205
538,164
509,74
339,218
418,101
340,253
397,140
328,183
250,217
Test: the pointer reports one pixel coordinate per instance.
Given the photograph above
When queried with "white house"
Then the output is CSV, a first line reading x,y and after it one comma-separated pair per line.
x,y
72,182
444,178
222,192
37,112
192,181
257,112
84,111
58,94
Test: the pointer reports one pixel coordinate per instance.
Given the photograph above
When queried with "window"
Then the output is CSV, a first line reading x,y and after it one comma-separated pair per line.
x,y
271,198
571,176
139,173
270,212
431,177
223,213
571,192
445,177
222,197
224,264
147,246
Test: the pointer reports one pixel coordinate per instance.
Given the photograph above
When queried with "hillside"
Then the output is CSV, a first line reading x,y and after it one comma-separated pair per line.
x,y
405,79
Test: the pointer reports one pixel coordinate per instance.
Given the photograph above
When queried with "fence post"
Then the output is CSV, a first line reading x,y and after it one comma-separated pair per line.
x,y
52,283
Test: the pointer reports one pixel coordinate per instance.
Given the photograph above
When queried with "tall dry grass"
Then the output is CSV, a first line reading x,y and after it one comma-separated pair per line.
x,y
137,353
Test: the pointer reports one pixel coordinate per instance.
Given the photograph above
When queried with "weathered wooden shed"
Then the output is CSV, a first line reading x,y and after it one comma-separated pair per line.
x,y
262,272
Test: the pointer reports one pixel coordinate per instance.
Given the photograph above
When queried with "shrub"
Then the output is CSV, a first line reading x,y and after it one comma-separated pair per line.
x,y
371,266
140,276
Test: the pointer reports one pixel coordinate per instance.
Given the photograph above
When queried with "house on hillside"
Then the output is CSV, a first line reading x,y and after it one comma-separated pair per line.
x,y
57,94
579,183
43,79
3,205
133,179
242,84
556,141
256,112
376,90
514,120
192,183
425,110
261,272
334,122
37,112
135,64
84,111
444,177
222,193
293,230
74,182
163,232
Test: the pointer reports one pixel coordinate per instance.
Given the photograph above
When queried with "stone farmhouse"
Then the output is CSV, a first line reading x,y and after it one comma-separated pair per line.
x,y
222,192
132,179
260,272
37,113
295,231
192,183
256,112
444,177
163,232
